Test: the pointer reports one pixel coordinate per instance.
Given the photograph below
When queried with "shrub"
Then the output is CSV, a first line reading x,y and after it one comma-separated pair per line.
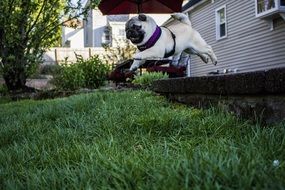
x,y
70,77
89,73
95,72
147,78
120,53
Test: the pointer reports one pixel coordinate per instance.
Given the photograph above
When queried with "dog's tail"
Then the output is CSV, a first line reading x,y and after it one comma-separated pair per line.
x,y
182,18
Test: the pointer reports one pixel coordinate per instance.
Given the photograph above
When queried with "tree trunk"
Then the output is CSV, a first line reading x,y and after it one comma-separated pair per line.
x,y
15,82
14,76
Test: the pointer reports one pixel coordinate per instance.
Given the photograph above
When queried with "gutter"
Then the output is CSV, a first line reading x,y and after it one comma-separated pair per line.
x,y
194,6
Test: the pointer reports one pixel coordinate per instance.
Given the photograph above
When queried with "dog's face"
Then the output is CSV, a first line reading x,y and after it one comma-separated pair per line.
x,y
138,28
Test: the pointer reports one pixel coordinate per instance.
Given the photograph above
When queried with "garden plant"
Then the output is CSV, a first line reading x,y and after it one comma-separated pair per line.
x,y
90,73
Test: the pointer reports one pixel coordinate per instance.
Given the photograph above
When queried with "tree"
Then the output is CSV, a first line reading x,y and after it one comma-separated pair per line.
x,y
27,29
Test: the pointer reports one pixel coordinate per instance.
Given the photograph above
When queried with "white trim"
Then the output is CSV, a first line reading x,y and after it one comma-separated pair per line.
x,y
218,37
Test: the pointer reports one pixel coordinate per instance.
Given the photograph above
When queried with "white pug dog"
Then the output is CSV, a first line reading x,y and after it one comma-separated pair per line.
x,y
155,42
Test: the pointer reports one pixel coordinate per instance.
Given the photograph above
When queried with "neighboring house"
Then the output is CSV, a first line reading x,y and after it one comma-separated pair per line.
x,y
115,30
72,34
246,35
94,27
100,29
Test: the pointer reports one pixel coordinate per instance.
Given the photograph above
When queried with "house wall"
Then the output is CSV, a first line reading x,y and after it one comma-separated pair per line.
x,y
74,36
99,24
88,27
118,33
250,44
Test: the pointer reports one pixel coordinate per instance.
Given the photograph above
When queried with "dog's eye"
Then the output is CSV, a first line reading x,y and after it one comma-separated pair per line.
x,y
137,27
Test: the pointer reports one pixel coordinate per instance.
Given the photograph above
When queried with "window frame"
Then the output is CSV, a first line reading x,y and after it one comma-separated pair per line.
x,y
218,23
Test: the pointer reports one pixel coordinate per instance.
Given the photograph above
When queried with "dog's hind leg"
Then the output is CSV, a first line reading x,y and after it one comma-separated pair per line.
x,y
212,55
204,57
205,50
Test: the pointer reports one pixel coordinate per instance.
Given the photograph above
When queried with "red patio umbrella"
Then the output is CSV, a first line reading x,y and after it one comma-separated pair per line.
x,y
113,7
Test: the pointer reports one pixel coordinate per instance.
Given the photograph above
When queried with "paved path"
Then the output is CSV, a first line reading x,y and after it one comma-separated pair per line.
x,y
41,84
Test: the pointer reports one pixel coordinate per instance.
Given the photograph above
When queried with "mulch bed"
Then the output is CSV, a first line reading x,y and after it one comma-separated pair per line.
x,y
42,92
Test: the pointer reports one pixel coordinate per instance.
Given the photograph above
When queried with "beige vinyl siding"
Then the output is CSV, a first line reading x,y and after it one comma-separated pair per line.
x,y
250,44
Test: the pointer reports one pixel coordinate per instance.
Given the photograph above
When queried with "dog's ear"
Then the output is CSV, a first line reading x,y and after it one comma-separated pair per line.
x,y
142,17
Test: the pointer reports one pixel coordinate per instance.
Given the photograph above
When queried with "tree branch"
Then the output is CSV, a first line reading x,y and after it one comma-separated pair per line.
x,y
37,18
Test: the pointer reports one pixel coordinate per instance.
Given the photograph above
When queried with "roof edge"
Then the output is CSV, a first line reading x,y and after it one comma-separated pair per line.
x,y
192,5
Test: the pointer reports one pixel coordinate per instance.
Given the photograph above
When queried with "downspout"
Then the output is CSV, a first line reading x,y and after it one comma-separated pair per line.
x,y
188,67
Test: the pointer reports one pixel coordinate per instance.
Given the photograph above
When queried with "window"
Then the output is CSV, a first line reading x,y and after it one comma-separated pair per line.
x,y
266,8
221,23
265,5
106,37
67,43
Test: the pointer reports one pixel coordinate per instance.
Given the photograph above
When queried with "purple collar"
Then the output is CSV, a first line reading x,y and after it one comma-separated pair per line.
x,y
152,40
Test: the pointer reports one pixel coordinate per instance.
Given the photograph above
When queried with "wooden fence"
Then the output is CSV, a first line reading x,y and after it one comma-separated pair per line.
x,y
60,55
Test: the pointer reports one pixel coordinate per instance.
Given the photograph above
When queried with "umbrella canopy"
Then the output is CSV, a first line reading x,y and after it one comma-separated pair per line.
x,y
113,7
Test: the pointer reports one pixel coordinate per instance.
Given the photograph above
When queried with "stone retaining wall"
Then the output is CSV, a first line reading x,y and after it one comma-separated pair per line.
x,y
259,96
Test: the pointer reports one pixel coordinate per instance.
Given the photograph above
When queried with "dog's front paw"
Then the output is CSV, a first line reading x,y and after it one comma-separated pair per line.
x,y
134,67
130,74
138,56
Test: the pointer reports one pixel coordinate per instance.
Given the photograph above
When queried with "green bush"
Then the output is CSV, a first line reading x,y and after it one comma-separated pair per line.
x,y
147,78
70,77
95,71
89,73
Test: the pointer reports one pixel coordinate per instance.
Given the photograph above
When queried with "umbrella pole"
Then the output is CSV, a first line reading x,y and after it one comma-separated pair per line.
x,y
139,6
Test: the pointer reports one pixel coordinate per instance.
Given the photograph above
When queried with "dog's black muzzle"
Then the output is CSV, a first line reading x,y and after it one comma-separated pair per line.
x,y
136,36
131,34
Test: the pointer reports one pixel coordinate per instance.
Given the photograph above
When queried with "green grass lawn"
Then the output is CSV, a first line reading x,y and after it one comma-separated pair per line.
x,y
134,140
